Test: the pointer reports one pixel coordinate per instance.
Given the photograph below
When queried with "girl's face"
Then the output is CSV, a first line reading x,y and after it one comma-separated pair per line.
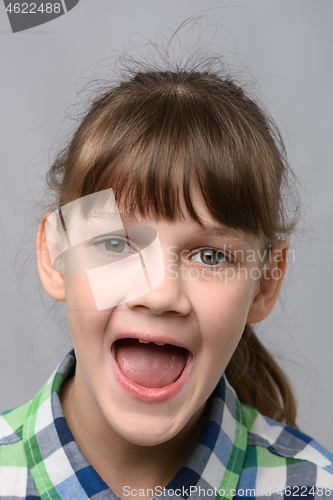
x,y
147,392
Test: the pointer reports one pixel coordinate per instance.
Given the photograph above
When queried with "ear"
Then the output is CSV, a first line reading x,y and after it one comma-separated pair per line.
x,y
53,280
270,283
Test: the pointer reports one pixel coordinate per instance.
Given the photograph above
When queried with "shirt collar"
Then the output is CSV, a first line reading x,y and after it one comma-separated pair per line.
x,y
60,470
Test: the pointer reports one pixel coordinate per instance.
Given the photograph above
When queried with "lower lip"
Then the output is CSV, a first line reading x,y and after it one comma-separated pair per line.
x,y
150,394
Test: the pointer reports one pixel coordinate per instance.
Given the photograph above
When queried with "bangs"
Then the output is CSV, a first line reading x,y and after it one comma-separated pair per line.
x,y
161,140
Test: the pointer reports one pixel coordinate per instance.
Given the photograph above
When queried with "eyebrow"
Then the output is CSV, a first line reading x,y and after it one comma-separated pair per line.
x,y
127,217
104,216
223,231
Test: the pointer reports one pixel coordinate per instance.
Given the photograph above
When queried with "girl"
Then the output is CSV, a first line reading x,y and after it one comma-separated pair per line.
x,y
167,240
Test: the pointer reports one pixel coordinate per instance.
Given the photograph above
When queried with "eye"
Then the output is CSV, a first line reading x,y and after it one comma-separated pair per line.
x,y
115,245
211,256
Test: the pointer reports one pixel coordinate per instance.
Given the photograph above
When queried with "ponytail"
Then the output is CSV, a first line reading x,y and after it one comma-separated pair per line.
x,y
258,380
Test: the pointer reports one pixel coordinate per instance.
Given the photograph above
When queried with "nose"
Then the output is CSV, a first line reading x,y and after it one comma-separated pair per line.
x,y
170,297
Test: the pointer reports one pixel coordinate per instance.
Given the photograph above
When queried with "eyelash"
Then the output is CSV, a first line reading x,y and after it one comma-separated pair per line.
x,y
227,258
105,240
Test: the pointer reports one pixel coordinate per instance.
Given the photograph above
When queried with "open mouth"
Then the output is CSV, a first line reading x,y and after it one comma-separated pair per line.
x,y
150,364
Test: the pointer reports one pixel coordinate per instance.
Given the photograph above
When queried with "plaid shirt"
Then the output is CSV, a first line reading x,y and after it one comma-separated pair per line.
x,y
240,454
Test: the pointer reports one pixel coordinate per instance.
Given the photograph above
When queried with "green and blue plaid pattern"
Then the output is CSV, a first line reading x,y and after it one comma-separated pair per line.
x,y
240,454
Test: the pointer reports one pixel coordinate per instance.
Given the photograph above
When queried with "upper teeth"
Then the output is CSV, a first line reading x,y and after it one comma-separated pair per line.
x,y
147,342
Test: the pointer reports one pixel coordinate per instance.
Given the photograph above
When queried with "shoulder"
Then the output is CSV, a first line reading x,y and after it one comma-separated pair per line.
x,y
11,424
282,460
24,437
14,471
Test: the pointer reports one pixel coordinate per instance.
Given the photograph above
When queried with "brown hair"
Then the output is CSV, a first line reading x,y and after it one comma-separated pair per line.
x,y
159,134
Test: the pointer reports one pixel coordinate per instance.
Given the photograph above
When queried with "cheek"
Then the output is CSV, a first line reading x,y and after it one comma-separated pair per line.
x,y
229,301
78,293
87,325
221,310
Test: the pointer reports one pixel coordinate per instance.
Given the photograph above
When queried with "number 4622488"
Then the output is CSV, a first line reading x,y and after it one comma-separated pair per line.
x,y
31,8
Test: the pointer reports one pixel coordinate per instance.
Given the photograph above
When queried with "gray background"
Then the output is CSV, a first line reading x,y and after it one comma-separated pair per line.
x,y
287,44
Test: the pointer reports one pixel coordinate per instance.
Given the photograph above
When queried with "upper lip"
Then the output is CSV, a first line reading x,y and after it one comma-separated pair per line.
x,y
155,337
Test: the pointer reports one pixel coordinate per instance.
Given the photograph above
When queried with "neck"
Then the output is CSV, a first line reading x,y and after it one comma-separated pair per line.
x,y
116,459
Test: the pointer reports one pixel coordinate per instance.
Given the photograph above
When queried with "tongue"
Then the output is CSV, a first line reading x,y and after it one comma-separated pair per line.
x,y
150,365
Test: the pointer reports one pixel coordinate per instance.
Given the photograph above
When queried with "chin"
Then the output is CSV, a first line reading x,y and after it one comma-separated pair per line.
x,y
148,431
